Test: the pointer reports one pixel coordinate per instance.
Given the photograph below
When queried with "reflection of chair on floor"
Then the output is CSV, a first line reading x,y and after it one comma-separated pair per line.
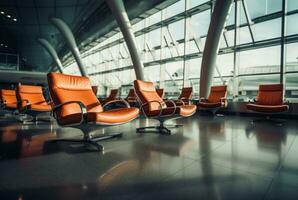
x,y
215,129
269,138
111,97
131,97
160,92
177,145
9,100
77,106
153,106
269,102
216,100
32,101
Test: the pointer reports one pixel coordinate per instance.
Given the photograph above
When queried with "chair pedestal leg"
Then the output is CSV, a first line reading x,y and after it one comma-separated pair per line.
x,y
156,129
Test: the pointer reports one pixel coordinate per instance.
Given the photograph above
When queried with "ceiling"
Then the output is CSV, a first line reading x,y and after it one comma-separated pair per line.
x,y
23,21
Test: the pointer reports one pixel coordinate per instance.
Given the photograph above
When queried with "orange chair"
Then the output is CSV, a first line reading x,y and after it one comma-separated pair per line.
x,y
131,97
77,106
269,101
217,99
184,97
9,99
111,97
153,106
160,92
32,101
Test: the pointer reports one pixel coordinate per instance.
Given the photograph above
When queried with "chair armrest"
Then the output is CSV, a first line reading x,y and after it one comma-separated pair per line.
x,y
174,105
148,103
254,100
82,107
202,99
117,100
26,107
183,99
285,101
223,101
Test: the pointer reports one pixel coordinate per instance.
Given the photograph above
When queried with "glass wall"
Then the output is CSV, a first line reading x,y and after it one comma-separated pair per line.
x,y
171,43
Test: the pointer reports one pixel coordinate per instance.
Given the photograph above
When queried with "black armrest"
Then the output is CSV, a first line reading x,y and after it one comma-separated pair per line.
x,y
26,107
254,100
148,103
117,100
174,105
82,107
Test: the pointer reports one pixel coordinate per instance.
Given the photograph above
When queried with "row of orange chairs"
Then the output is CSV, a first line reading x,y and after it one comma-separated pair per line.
x,y
27,99
75,104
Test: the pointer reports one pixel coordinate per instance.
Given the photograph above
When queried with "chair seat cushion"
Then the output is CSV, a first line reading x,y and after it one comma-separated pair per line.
x,y
111,117
184,111
114,116
209,105
41,107
267,108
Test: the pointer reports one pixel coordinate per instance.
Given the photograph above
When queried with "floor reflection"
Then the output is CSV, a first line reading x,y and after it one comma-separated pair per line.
x,y
207,158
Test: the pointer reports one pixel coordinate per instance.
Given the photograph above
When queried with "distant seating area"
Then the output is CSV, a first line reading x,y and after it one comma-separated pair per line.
x,y
269,101
112,96
31,101
154,107
216,100
9,99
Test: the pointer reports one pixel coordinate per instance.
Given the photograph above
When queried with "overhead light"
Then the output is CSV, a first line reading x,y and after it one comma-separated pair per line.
x,y
14,19
6,46
8,16
2,12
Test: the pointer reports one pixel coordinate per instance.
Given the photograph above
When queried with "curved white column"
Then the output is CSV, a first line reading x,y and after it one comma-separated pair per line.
x,y
68,36
218,19
50,49
123,21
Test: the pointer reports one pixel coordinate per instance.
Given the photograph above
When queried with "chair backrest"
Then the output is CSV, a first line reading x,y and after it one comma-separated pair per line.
x,y
32,94
216,93
113,95
131,94
186,93
146,92
270,94
9,96
94,89
160,92
64,88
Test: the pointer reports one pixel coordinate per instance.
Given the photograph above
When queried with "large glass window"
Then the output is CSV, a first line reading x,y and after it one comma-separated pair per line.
x,y
172,50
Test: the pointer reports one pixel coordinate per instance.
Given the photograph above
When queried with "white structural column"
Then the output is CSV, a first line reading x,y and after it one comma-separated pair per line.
x,y
50,49
120,14
68,36
218,19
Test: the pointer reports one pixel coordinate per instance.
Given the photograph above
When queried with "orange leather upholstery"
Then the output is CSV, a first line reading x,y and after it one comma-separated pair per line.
x,y
160,92
111,97
32,95
147,93
186,93
9,98
269,99
216,99
65,88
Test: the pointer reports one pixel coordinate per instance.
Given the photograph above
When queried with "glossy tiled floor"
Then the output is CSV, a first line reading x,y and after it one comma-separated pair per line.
x,y
207,158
